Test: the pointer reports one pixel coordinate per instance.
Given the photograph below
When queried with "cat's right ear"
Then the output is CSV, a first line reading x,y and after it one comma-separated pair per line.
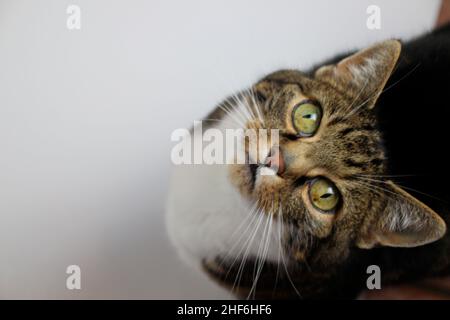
x,y
365,73
404,222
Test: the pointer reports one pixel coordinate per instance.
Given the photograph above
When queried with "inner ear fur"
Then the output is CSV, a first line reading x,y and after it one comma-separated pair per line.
x,y
404,222
365,73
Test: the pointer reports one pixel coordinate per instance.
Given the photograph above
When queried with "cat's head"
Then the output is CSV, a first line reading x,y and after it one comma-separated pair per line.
x,y
324,176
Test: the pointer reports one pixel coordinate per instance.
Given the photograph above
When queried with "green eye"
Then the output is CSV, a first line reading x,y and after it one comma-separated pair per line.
x,y
306,118
323,194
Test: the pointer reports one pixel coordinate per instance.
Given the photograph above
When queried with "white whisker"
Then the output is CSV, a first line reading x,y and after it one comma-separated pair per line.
x,y
259,261
246,253
246,224
284,262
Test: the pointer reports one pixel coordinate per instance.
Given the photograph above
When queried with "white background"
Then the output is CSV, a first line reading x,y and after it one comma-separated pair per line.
x,y
86,117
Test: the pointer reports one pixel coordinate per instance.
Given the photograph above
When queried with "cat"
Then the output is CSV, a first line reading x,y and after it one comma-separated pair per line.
x,y
361,178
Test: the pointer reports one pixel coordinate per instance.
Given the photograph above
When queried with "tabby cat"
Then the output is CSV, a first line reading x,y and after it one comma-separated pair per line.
x,y
362,178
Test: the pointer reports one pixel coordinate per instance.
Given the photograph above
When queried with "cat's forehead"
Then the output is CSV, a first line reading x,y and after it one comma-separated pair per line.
x,y
287,83
344,144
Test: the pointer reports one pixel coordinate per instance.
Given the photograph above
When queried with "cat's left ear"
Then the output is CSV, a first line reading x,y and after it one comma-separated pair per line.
x,y
405,222
365,73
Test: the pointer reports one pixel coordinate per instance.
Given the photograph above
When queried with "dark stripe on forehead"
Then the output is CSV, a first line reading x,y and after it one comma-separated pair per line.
x,y
355,164
346,131
349,129
376,162
370,163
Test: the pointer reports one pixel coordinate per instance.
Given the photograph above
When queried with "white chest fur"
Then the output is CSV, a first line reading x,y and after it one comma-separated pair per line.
x,y
207,217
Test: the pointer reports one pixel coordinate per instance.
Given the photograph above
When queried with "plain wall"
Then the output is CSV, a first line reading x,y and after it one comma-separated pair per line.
x,y
86,118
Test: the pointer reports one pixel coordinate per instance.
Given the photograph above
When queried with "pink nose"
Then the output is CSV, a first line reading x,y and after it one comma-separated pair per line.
x,y
275,160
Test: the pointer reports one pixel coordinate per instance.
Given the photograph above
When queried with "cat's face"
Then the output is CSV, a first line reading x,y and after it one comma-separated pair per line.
x,y
323,178
322,184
